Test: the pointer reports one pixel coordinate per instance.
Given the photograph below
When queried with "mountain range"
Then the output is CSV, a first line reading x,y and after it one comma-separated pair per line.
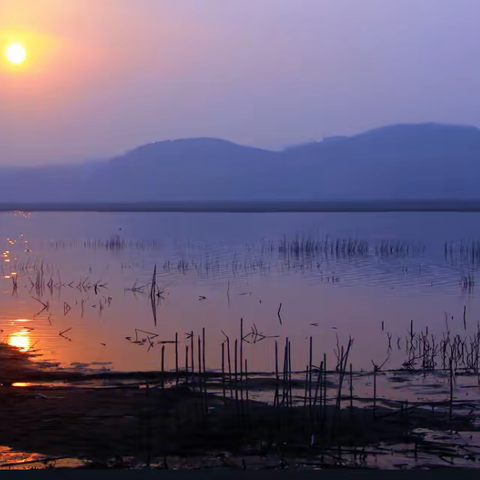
x,y
398,162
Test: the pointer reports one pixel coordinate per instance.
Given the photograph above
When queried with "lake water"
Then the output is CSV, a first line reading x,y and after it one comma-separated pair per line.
x,y
334,275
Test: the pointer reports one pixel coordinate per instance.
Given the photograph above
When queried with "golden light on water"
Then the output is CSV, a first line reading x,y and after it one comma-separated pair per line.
x,y
16,53
21,340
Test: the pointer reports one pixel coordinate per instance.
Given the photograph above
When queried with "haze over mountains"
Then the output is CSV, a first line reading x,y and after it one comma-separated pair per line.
x,y
400,162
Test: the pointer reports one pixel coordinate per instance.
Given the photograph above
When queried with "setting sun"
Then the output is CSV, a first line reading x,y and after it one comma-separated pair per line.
x,y
16,53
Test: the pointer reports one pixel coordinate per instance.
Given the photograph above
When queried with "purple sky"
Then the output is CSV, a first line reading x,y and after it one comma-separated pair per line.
x,y
103,76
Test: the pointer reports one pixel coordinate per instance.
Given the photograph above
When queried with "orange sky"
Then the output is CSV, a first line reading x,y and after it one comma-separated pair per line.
x,y
85,59
103,76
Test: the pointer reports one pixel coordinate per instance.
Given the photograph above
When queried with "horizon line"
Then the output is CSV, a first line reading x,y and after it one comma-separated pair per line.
x,y
251,206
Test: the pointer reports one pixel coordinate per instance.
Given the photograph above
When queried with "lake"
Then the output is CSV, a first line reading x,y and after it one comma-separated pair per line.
x,y
76,286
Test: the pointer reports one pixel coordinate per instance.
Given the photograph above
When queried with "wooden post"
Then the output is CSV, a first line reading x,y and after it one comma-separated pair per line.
x,y
163,367
223,374
176,359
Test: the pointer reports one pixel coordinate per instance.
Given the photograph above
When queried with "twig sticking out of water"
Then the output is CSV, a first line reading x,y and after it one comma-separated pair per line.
x,y
223,374
32,347
246,395
343,369
450,410
351,388
310,366
66,308
256,336
285,375
389,336
227,341
163,366
50,285
200,386
379,368
153,335
46,306
14,283
62,334
467,283
236,371
241,368
98,285
203,351
153,292
276,399
278,313
136,289
192,353
176,359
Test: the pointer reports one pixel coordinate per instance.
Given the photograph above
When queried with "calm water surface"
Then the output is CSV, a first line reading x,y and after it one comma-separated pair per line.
x,y
336,275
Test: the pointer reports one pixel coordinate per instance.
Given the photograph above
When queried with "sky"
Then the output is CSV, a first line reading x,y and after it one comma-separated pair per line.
x,y
104,76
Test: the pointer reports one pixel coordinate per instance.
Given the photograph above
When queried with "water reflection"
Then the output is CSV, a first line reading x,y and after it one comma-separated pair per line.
x,y
20,340
351,273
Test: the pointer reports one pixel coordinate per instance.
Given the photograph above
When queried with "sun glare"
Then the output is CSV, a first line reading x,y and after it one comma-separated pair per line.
x,y
16,53
21,340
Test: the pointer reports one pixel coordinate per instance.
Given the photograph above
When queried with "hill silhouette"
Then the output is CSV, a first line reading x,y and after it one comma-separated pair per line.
x,y
399,162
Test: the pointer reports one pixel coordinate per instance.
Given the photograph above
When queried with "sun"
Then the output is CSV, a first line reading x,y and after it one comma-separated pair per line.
x,y
16,53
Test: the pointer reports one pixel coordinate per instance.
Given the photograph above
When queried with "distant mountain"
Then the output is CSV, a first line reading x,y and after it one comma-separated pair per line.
x,y
396,162
192,168
424,161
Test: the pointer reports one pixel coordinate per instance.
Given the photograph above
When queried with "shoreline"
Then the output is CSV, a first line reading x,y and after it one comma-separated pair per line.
x,y
253,206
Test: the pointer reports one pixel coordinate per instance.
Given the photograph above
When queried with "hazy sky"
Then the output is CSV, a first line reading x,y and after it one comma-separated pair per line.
x,y
103,76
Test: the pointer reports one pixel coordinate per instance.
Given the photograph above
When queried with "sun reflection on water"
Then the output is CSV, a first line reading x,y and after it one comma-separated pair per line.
x,y
21,340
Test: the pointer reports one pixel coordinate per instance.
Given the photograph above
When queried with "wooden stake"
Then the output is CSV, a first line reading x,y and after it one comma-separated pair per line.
x,y
176,359
351,389
229,370
163,366
223,374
